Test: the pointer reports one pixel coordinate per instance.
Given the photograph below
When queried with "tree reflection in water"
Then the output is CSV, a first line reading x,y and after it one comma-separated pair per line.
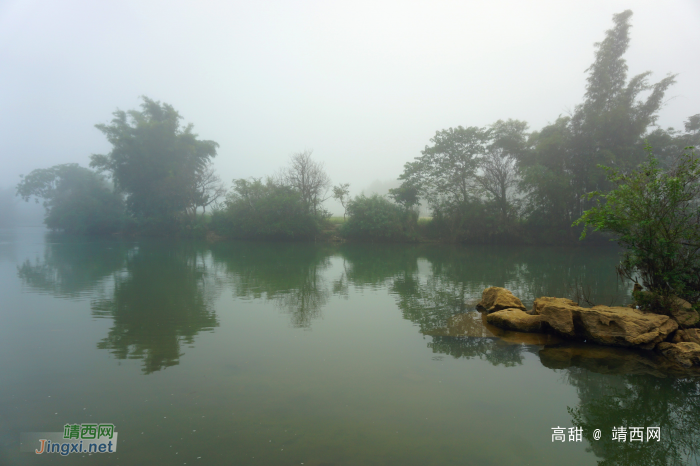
x,y
493,350
162,302
159,295
290,275
72,267
606,401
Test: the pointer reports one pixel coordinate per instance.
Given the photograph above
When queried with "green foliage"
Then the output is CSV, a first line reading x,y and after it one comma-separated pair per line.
x,y
499,174
468,178
77,200
376,218
655,215
257,210
406,196
445,173
154,160
472,222
608,128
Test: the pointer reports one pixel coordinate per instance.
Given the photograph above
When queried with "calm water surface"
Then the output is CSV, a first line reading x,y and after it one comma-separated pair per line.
x,y
286,354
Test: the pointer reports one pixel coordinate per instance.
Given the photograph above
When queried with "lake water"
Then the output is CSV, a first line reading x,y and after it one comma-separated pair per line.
x,y
247,353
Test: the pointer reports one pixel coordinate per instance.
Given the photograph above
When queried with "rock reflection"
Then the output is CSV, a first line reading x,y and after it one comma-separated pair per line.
x,y
611,360
469,336
162,302
607,401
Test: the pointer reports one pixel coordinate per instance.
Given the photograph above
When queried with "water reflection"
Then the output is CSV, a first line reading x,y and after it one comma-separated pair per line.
x,y
290,275
162,302
606,401
159,295
468,335
373,266
493,350
71,268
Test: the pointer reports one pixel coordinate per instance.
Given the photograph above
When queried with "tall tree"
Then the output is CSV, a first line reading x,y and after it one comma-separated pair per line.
x,y
154,160
608,127
308,178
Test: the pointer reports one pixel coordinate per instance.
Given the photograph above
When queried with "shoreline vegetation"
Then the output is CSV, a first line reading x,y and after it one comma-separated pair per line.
x,y
481,185
591,175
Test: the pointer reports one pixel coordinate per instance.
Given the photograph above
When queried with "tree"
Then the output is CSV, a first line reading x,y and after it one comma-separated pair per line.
x,y
499,174
341,193
607,128
308,178
77,200
446,172
655,216
154,160
207,189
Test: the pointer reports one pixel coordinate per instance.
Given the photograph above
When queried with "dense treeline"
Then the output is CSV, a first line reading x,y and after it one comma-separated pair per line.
x,y
499,183
503,183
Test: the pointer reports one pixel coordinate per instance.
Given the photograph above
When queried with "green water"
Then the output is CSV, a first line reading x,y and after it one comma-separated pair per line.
x,y
285,354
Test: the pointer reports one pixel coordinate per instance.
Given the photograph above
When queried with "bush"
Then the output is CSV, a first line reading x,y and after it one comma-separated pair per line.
x,y
257,210
376,218
655,216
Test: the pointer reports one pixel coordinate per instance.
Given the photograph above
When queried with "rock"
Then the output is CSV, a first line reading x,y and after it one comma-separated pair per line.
x,y
614,326
680,310
686,354
691,335
683,313
540,302
515,319
495,299
559,316
623,326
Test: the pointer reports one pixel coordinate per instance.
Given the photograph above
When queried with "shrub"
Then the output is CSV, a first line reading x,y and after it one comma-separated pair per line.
x,y
257,210
655,216
376,218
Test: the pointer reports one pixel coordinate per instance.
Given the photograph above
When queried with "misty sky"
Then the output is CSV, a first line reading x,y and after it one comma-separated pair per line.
x,y
364,84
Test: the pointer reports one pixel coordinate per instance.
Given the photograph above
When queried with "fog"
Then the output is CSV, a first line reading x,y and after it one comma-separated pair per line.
x,y
363,84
